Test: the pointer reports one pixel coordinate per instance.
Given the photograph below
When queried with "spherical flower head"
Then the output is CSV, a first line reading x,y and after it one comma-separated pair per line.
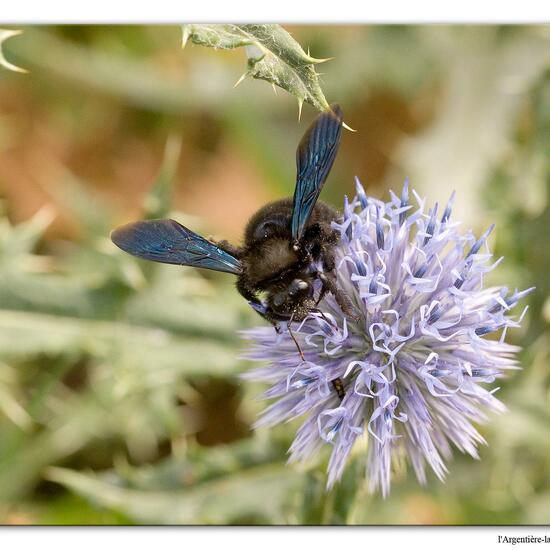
x,y
417,358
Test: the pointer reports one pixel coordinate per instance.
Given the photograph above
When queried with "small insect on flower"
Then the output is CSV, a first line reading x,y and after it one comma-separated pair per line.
x,y
409,359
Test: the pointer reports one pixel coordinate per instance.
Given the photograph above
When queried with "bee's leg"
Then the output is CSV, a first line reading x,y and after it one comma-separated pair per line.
x,y
265,311
274,319
268,316
329,263
324,288
321,295
342,299
249,295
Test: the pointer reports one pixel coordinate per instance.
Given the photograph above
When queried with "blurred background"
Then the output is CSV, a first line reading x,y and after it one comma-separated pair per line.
x,y
120,400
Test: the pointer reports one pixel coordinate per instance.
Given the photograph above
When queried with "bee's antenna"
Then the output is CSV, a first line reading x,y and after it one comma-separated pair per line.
x,y
325,318
294,338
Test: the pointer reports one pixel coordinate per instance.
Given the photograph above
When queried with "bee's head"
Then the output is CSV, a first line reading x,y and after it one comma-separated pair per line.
x,y
295,295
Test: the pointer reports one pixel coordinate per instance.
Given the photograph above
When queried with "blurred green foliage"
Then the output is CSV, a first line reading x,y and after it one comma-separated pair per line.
x,y
120,400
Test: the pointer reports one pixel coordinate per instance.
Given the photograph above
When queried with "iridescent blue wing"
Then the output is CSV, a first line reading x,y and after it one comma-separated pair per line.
x,y
169,242
314,158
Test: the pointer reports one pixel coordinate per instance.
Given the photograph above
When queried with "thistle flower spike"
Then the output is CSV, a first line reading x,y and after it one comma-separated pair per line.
x,y
416,358
404,201
448,209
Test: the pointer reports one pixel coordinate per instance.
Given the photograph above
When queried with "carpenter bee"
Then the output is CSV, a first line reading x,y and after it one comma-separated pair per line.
x,y
288,244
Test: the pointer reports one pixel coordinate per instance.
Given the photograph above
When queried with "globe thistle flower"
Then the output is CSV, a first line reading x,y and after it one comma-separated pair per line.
x,y
415,361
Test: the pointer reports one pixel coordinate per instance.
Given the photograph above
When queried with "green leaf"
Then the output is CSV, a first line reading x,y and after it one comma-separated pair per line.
x,y
89,210
158,201
17,243
4,35
273,56
478,108
233,498
26,334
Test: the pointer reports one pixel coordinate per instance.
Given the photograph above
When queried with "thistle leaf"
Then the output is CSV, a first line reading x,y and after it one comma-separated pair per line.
x,y
230,498
4,35
24,335
273,56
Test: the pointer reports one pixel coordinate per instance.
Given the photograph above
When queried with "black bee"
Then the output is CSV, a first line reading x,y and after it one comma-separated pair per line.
x,y
288,244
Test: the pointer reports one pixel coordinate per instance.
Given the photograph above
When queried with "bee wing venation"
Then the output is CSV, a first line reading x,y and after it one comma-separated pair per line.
x,y
168,242
314,159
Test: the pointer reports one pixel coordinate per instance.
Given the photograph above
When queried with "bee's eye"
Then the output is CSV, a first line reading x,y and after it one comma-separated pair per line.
x,y
296,285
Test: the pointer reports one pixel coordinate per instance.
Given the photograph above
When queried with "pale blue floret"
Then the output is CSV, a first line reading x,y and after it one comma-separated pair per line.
x,y
414,361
